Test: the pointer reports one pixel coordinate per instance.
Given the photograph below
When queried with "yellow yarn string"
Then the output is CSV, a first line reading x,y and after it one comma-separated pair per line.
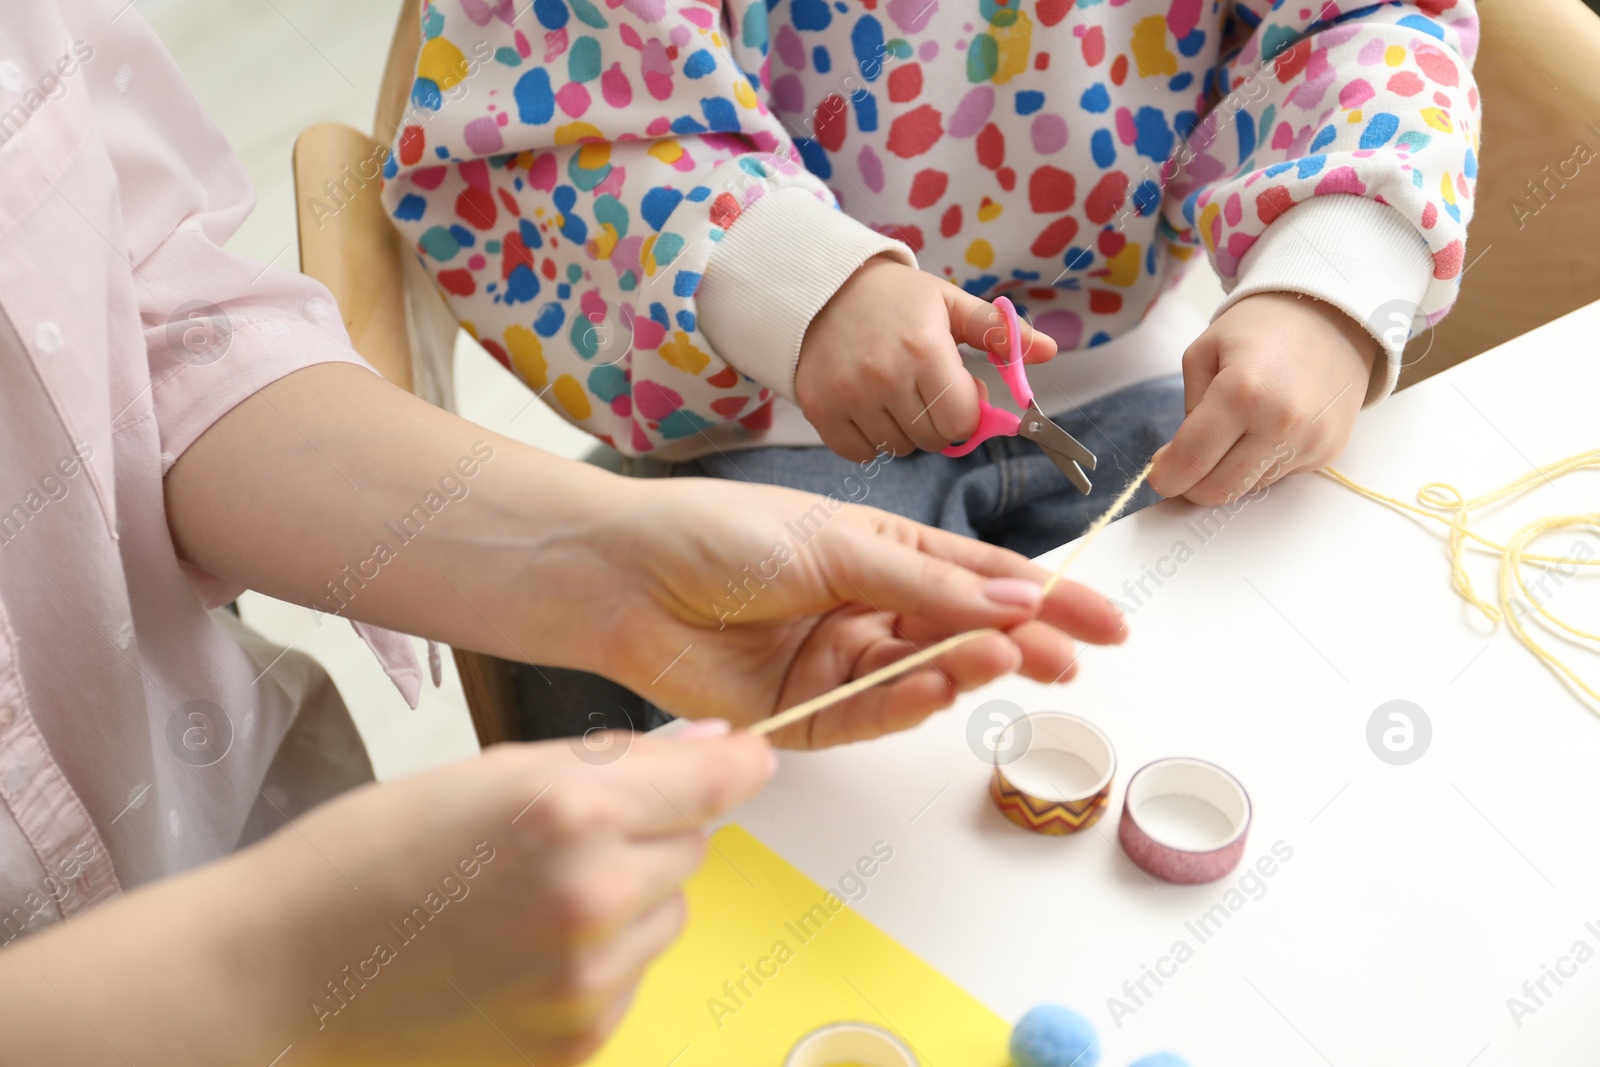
x,y
1440,497
1117,507
924,656
1434,498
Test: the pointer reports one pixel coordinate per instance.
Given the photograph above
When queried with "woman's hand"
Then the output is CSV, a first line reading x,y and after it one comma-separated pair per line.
x,y
550,939
495,911
737,601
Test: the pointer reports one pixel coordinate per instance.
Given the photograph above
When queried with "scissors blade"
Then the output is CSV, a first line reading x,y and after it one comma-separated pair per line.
x,y
1066,451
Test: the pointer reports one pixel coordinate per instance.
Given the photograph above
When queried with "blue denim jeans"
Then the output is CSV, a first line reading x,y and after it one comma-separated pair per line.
x,y
1006,492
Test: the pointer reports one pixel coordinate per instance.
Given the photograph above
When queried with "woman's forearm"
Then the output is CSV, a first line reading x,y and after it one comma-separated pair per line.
x,y
334,489
206,968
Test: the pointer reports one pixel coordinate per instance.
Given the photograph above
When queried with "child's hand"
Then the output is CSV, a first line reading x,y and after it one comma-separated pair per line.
x,y
879,367
1273,387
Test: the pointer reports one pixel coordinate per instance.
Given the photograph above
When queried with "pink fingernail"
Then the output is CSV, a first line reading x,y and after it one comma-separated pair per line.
x,y
1018,591
703,728
772,762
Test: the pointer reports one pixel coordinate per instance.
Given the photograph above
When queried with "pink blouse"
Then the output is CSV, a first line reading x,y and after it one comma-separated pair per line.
x,y
135,732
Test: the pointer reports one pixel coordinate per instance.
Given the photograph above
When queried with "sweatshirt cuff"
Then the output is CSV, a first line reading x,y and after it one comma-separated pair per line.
x,y
1361,256
782,259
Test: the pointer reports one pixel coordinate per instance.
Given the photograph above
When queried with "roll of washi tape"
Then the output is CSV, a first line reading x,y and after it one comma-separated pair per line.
x,y
1056,775
850,1045
1184,820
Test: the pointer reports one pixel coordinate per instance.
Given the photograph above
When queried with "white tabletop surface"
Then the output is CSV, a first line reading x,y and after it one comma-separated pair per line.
x,y
1417,899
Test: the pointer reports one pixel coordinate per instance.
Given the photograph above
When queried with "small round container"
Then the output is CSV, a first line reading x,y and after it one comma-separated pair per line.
x,y
1061,781
856,1044
1184,820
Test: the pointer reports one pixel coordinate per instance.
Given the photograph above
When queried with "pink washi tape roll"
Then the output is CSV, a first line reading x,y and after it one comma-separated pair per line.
x,y
1184,820
1061,780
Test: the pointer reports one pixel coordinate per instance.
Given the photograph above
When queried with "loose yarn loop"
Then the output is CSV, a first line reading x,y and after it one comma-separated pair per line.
x,y
1444,503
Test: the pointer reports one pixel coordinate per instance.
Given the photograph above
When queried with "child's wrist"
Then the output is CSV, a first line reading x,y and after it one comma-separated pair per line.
x,y
1352,330
810,250
1353,333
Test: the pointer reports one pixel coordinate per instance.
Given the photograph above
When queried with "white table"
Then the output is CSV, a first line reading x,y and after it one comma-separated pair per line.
x,y
1418,898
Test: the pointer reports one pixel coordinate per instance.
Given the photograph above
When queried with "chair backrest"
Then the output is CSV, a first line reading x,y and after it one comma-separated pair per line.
x,y
399,71
348,244
1531,247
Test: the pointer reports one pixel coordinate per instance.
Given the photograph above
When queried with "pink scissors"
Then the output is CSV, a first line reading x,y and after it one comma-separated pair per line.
x,y
1063,449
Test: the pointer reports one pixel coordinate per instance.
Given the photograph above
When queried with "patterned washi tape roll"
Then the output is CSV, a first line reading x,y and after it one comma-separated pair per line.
x,y
1056,775
1184,820
853,1043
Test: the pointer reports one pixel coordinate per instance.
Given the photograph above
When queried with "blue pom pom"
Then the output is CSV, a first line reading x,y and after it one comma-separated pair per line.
x,y
1053,1036
1161,1059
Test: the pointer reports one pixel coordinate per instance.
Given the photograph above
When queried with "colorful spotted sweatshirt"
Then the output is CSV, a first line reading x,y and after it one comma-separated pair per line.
x,y
639,205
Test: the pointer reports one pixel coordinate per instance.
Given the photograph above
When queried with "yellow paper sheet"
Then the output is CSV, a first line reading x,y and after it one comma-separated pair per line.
x,y
791,964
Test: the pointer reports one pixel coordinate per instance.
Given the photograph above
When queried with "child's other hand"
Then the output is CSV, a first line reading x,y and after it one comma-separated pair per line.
x,y
879,367
1273,387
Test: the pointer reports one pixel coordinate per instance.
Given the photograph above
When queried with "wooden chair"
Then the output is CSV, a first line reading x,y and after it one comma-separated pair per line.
x,y
1535,72
1538,69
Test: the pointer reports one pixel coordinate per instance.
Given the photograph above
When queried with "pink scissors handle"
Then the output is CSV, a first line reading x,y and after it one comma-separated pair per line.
x,y
993,421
